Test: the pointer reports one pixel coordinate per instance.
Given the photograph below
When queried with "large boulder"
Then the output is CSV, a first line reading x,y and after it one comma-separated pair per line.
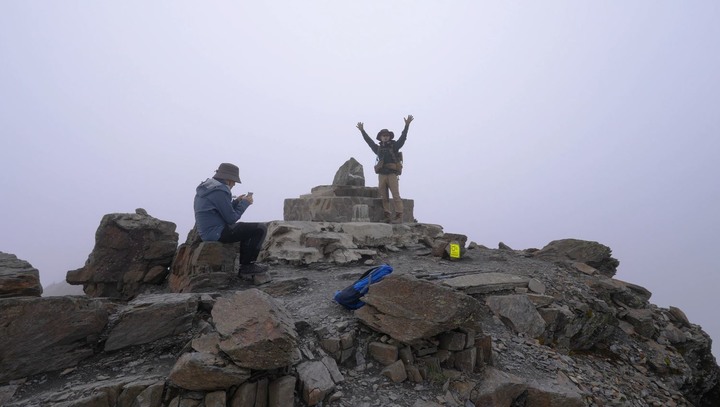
x,y
18,278
199,266
131,251
256,331
411,310
306,242
148,318
44,334
574,250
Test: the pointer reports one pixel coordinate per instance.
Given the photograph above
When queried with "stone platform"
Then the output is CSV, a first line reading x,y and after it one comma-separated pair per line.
x,y
341,203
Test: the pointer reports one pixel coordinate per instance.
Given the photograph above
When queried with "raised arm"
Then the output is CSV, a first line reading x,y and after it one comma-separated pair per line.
x,y
403,136
367,138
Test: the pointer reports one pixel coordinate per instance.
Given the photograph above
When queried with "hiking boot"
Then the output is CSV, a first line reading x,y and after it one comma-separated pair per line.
x,y
252,268
398,218
387,219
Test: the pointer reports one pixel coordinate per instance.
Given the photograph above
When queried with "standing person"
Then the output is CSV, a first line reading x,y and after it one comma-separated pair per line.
x,y
217,215
388,167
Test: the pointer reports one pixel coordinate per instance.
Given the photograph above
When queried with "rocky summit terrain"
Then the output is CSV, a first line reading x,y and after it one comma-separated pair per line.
x,y
604,355
455,323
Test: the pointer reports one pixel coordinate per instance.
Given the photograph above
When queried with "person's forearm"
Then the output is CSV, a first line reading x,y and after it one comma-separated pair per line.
x,y
369,141
227,210
240,205
403,136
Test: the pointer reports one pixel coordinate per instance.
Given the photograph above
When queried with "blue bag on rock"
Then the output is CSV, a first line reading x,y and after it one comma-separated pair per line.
x,y
349,297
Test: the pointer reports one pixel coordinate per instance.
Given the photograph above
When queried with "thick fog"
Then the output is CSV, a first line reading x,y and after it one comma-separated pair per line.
x,y
533,122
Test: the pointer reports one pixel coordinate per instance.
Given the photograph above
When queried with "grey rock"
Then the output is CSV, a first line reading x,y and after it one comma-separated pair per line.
x,y
679,316
591,253
315,382
410,310
200,265
18,278
554,393
333,369
642,321
673,334
483,283
351,173
281,392
205,371
128,248
256,331
541,300
497,388
339,208
384,353
151,396
150,317
395,372
305,242
245,395
45,334
215,399
536,286
518,313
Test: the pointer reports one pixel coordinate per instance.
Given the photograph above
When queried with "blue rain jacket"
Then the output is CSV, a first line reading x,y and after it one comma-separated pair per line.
x,y
215,209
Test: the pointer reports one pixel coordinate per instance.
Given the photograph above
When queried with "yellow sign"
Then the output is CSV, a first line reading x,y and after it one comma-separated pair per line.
x,y
454,251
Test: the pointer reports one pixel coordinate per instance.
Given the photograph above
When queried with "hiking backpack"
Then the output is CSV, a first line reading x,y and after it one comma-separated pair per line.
x,y
349,297
397,166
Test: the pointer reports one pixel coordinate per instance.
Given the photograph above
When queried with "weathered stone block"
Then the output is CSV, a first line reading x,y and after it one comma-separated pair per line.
x,y
197,261
256,331
395,372
18,278
339,208
383,353
127,248
465,360
315,381
281,392
44,334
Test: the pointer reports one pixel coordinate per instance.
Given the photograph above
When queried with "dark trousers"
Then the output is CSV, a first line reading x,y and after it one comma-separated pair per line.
x,y
251,237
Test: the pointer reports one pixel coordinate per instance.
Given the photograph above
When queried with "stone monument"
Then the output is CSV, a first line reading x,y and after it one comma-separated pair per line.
x,y
346,200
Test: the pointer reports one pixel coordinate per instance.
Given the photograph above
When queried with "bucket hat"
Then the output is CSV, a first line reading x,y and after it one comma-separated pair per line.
x,y
228,171
385,131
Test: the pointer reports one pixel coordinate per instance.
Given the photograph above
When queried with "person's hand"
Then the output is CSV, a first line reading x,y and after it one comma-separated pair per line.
x,y
408,119
248,198
360,126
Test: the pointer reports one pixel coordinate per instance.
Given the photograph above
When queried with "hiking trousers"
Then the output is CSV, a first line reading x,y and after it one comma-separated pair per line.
x,y
251,237
390,182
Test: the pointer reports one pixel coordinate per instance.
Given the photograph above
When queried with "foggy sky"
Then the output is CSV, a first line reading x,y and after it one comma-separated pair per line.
x,y
533,122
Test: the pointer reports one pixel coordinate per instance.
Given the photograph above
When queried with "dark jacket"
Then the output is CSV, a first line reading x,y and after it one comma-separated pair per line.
x,y
387,153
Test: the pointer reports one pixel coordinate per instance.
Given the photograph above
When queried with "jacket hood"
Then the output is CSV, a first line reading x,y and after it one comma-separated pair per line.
x,y
211,185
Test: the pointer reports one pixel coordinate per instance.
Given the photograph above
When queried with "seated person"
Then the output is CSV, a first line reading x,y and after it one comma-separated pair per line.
x,y
217,215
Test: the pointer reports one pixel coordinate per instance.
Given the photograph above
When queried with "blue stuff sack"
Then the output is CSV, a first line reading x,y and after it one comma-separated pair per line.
x,y
349,297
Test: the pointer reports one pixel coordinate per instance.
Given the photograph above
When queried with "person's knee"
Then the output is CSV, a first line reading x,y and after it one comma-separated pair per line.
x,y
261,231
